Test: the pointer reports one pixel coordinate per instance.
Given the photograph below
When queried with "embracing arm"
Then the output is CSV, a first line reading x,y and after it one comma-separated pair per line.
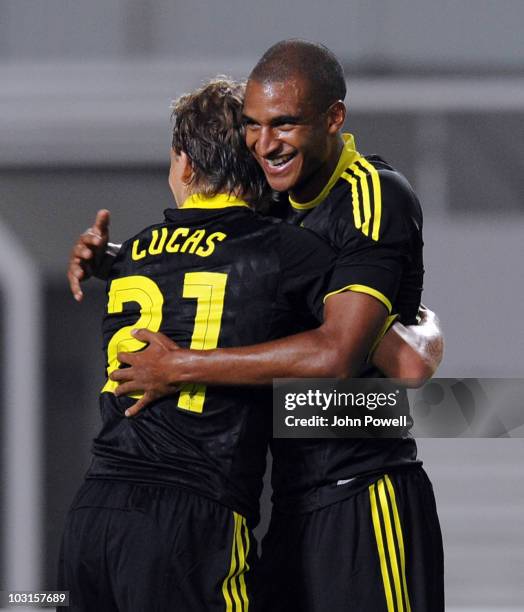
x,y
336,349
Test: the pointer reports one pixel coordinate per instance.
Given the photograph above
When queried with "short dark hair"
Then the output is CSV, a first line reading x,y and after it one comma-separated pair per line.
x,y
313,61
208,128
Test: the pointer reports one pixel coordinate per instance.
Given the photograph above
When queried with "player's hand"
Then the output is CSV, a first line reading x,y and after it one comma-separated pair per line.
x,y
87,253
150,371
431,333
411,353
425,315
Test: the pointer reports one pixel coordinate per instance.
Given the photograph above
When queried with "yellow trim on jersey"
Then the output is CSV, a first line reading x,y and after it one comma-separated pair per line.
x,y
364,289
221,200
390,319
355,199
377,197
234,585
362,171
365,197
347,157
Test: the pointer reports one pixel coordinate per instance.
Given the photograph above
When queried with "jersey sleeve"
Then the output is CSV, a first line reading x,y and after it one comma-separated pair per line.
x,y
375,240
306,265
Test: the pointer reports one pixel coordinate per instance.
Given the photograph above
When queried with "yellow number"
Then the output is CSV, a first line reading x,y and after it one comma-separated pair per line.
x,y
209,290
146,293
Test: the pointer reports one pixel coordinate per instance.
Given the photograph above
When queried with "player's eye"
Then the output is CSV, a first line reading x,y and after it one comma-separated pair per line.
x,y
286,124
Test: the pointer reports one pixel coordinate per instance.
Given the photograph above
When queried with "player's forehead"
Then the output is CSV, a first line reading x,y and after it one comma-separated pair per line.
x,y
264,101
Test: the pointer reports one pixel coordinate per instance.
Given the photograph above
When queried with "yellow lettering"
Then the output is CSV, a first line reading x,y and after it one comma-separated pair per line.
x,y
160,242
193,241
135,254
171,247
156,246
210,243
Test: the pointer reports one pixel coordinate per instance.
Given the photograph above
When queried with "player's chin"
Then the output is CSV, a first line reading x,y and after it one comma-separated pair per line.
x,y
282,182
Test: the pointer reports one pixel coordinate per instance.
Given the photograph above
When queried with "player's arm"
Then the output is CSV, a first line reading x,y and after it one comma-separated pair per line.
x,y
92,254
336,349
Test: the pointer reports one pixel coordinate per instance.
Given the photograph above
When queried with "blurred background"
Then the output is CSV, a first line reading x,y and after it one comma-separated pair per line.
x,y
436,88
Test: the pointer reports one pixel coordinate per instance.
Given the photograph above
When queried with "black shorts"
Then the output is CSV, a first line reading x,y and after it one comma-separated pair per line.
x,y
138,548
379,550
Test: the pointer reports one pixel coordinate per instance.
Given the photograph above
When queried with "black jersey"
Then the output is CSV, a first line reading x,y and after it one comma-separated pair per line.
x,y
214,274
371,217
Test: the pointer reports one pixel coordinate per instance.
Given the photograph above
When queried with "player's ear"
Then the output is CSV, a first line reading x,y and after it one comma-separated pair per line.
x,y
186,168
336,115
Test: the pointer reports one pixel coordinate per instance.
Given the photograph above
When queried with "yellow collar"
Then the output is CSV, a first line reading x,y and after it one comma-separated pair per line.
x,y
347,157
221,200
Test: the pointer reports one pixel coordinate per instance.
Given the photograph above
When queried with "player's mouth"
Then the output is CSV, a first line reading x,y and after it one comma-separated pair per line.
x,y
277,165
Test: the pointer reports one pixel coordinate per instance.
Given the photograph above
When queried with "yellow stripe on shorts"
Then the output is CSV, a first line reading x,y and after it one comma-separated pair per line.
x,y
400,539
234,585
381,550
390,544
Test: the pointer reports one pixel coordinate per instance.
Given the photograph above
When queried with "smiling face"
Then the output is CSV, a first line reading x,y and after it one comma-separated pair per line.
x,y
296,145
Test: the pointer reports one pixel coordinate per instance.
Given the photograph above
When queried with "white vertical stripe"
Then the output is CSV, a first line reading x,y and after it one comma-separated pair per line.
x,y
22,457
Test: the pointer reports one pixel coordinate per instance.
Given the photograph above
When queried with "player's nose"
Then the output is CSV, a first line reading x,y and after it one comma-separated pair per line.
x,y
267,144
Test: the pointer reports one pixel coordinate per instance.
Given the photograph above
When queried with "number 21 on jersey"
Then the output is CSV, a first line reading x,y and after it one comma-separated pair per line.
x,y
208,288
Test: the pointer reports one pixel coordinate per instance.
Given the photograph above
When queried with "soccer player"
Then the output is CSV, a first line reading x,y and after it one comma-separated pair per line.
x,y
354,524
163,520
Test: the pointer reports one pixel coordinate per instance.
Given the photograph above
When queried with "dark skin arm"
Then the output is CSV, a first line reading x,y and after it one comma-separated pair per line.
x,y
409,353
337,349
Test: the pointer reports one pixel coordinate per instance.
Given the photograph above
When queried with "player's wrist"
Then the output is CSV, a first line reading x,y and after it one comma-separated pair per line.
x,y
185,366
105,261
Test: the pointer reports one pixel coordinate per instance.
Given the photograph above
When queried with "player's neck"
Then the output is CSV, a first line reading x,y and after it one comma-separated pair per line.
x,y
203,194
187,191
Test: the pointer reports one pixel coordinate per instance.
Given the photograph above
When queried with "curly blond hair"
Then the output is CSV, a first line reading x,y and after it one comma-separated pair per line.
x,y
208,128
